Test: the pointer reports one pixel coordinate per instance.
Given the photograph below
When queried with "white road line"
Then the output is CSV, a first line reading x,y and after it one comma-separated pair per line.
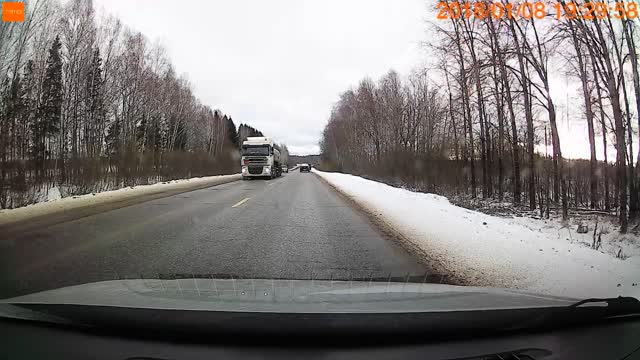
x,y
241,202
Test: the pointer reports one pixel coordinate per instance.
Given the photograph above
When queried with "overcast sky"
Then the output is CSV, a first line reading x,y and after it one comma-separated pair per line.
x,y
280,65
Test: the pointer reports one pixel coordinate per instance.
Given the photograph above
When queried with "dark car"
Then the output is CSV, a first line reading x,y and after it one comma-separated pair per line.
x,y
305,168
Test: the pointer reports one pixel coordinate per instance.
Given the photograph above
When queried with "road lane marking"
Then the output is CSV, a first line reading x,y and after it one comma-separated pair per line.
x,y
241,202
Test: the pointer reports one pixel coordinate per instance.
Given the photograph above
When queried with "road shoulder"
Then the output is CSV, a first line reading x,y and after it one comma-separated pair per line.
x,y
436,271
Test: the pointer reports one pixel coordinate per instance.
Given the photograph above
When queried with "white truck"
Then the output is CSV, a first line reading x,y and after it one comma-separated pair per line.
x,y
260,158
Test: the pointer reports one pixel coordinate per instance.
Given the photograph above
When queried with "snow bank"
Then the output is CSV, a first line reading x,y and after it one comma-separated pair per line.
x,y
525,254
57,204
53,194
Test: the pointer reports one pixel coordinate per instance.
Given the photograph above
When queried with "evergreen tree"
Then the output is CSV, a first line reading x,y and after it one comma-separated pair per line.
x,y
51,109
48,119
11,101
154,135
7,121
15,110
113,137
141,133
95,106
28,103
232,134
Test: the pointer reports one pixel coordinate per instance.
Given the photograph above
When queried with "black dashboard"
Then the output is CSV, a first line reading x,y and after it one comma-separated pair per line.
x,y
33,340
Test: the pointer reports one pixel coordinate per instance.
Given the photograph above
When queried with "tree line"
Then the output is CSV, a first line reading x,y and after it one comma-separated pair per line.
x,y
87,105
481,120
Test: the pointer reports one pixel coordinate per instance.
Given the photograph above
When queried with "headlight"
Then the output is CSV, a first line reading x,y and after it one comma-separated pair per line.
x,y
266,170
245,169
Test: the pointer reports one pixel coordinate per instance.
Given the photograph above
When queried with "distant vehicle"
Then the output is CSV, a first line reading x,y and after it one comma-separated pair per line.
x,y
260,158
285,168
305,168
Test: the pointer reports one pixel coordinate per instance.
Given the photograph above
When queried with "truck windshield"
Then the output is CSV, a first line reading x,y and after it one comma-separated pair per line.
x,y
255,150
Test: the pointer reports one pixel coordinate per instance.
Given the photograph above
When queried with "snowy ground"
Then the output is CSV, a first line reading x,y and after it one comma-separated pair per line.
x,y
55,203
521,253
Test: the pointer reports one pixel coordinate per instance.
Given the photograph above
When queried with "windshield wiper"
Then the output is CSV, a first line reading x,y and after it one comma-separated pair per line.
x,y
618,306
583,312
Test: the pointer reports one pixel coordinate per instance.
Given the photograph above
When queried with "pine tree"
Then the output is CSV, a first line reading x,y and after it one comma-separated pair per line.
x,y
8,114
141,133
154,134
52,90
48,119
5,111
28,103
232,134
15,110
95,106
241,133
113,137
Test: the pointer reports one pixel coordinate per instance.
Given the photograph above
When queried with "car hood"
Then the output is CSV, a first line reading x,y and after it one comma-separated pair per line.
x,y
291,296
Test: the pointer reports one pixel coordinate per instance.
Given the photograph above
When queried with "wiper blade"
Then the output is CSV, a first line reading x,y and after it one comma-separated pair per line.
x,y
620,305
584,312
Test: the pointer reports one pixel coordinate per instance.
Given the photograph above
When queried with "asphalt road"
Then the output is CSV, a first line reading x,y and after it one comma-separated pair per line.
x,y
293,227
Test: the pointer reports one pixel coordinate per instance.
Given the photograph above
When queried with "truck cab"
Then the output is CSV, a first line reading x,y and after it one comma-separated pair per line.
x,y
260,158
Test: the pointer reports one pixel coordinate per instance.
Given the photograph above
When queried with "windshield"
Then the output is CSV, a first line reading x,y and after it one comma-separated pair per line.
x,y
476,145
255,150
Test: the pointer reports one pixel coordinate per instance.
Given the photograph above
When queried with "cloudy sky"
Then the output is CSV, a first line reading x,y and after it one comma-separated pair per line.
x,y
280,65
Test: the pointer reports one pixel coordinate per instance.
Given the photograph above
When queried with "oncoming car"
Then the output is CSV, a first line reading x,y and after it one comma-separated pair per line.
x,y
305,168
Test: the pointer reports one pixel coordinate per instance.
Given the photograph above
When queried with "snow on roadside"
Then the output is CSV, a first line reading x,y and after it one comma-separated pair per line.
x,y
487,250
53,194
57,204
612,242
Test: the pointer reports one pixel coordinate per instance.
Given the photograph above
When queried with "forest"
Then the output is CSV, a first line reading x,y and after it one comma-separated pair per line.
x,y
481,120
87,105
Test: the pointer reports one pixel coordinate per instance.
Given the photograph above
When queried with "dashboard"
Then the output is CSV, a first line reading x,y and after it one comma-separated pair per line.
x,y
34,340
